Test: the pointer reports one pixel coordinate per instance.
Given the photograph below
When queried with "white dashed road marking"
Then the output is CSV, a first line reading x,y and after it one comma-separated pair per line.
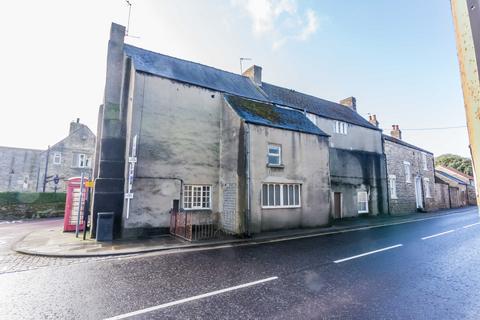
x,y
438,234
470,225
201,296
368,253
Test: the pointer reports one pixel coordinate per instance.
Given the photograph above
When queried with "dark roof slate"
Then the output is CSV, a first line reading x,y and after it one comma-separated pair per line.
x,y
269,115
208,77
320,107
406,144
193,73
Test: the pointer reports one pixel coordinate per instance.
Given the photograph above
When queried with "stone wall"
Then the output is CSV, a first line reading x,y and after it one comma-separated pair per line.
x,y
19,169
441,196
405,200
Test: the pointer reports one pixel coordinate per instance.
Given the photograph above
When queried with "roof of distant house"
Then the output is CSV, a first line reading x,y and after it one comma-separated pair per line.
x,y
448,176
269,115
457,172
239,85
406,144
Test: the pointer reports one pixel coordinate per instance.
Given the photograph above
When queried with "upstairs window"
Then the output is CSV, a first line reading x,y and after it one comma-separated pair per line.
x,y
277,195
408,173
392,184
340,127
362,198
57,158
197,197
83,160
424,161
274,156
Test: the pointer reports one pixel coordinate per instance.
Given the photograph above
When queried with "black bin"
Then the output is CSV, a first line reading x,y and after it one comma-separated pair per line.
x,y
104,226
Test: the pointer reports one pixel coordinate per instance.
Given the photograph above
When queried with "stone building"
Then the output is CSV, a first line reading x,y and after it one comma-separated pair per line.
x,y
19,169
410,173
24,170
178,132
471,192
458,193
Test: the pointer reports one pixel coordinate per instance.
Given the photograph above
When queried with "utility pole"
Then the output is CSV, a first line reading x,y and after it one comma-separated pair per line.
x,y
466,19
46,169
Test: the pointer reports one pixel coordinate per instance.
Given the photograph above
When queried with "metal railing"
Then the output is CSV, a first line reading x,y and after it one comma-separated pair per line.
x,y
193,226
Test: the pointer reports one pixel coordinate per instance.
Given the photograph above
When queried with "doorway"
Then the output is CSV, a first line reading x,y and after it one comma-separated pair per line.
x,y
337,205
419,193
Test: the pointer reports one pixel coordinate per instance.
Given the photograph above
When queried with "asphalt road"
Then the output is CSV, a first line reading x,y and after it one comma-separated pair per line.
x,y
422,270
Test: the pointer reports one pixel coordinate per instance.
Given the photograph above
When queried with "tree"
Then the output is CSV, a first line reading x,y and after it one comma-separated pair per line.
x,y
456,162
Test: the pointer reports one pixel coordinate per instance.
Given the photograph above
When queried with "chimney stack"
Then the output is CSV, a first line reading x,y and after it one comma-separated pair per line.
x,y
255,74
396,132
74,125
373,120
350,102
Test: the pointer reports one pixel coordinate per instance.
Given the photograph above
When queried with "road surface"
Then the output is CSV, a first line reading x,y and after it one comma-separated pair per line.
x,y
422,270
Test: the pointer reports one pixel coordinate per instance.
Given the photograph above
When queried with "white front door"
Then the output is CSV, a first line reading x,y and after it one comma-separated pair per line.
x,y
419,192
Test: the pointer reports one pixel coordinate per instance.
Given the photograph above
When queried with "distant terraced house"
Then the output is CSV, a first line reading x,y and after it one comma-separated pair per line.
x,y
178,135
24,170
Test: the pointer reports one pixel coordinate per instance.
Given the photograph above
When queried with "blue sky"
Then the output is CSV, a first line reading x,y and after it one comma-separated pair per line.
x,y
398,58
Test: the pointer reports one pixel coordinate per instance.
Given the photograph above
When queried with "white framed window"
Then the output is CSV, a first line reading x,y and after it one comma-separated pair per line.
x,y
424,161
408,172
57,158
25,182
340,127
197,197
83,160
362,199
274,156
280,195
427,187
392,183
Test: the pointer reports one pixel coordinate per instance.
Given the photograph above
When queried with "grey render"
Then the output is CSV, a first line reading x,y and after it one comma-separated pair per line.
x,y
185,133
398,154
23,170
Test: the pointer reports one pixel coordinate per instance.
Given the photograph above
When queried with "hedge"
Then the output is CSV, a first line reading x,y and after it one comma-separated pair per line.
x,y
10,198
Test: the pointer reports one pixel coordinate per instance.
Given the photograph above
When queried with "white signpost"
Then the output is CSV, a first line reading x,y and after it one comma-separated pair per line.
x,y
132,160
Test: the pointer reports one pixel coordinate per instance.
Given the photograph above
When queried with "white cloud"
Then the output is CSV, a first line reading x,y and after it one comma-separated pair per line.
x,y
279,20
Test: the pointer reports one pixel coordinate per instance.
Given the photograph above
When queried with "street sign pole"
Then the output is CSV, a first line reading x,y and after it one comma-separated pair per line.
x,y
77,226
466,18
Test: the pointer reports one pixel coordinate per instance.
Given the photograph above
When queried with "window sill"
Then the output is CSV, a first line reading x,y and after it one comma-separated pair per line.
x,y
277,166
282,207
197,209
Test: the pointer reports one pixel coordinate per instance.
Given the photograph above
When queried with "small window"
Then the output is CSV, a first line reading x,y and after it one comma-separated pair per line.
x,y
83,160
408,173
362,201
197,197
57,158
427,187
392,183
25,182
276,195
274,154
424,161
340,127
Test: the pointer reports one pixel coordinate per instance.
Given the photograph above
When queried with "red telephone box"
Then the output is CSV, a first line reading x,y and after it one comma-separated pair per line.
x,y
72,203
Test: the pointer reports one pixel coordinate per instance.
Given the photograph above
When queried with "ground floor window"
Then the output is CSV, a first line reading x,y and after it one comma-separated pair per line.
x,y
279,195
197,196
362,201
392,183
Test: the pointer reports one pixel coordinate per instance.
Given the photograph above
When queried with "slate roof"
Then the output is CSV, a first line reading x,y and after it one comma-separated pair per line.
x,y
236,84
450,177
193,73
269,115
390,138
320,107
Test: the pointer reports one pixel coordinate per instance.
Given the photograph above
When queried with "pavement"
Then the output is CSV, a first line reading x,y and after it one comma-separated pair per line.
x,y
49,240
427,269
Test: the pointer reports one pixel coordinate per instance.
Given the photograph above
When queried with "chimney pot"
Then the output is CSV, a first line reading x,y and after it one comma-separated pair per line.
x,y
255,74
350,102
396,132
373,120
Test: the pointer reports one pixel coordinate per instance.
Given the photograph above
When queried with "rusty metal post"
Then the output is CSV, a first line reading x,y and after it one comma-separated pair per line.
x,y
466,18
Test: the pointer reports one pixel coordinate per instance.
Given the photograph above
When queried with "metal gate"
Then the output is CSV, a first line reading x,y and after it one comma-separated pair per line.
x,y
193,226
